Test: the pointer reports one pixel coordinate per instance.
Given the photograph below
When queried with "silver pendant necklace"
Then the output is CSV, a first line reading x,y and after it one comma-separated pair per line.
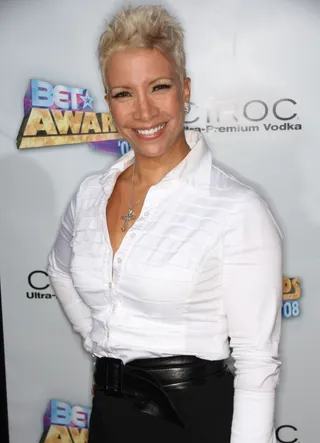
x,y
129,216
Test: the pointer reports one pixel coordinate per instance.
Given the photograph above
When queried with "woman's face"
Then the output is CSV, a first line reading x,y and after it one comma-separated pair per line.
x,y
146,98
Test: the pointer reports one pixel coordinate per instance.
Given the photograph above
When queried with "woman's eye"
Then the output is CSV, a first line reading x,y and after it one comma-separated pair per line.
x,y
121,94
161,86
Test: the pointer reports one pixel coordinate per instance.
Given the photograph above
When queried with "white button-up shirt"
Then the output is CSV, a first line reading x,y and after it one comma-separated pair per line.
x,y
201,263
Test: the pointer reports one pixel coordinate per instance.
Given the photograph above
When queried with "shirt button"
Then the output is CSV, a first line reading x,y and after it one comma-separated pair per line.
x,y
133,235
119,260
146,214
110,285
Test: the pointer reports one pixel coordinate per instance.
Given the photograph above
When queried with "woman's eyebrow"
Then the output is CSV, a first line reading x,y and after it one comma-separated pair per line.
x,y
150,82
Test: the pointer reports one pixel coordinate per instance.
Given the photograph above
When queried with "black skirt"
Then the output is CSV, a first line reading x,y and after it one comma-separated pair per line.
x,y
206,411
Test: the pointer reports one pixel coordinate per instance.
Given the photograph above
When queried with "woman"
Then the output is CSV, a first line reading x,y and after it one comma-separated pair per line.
x,y
164,258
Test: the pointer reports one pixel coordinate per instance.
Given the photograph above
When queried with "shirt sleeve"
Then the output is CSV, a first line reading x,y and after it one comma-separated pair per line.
x,y
252,285
75,309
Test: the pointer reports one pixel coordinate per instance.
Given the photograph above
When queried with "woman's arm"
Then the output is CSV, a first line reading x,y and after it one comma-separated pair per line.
x,y
59,261
252,282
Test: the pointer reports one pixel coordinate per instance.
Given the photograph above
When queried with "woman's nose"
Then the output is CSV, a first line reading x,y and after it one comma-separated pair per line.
x,y
145,109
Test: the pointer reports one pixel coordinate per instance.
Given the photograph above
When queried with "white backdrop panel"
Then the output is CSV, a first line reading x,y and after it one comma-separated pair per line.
x,y
237,51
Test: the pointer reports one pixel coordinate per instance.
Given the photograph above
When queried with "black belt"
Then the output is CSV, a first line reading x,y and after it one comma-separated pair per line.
x,y
146,381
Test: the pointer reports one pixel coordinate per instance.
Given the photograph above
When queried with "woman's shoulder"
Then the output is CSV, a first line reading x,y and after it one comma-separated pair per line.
x,y
101,181
92,181
90,188
241,202
226,186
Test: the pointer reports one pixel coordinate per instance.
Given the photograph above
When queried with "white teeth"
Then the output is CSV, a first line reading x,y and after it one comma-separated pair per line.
x,y
150,131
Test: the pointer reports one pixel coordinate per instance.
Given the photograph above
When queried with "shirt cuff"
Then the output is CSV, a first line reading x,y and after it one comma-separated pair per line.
x,y
253,417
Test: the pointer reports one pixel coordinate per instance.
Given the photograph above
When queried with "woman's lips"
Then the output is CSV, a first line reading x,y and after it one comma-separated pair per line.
x,y
151,136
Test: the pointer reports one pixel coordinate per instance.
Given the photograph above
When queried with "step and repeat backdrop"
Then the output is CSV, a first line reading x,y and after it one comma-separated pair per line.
x,y
255,69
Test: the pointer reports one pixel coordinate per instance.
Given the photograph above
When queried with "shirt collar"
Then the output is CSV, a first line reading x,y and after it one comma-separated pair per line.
x,y
194,169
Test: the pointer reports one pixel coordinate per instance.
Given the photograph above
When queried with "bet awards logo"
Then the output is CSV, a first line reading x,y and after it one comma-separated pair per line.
x,y
63,115
65,423
287,434
252,116
291,294
39,283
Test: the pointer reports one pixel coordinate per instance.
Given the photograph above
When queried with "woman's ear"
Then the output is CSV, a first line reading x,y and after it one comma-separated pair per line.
x,y
187,89
107,99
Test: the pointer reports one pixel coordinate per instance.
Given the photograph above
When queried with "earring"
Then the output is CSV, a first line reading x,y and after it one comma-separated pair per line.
x,y
187,107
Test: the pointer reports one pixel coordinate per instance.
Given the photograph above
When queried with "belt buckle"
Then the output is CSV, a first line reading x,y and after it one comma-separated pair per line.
x,y
113,376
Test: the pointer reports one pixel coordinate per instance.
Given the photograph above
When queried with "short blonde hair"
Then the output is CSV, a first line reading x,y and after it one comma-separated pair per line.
x,y
143,27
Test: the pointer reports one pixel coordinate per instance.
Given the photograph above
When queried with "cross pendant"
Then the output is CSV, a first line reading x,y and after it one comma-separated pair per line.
x,y
128,217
